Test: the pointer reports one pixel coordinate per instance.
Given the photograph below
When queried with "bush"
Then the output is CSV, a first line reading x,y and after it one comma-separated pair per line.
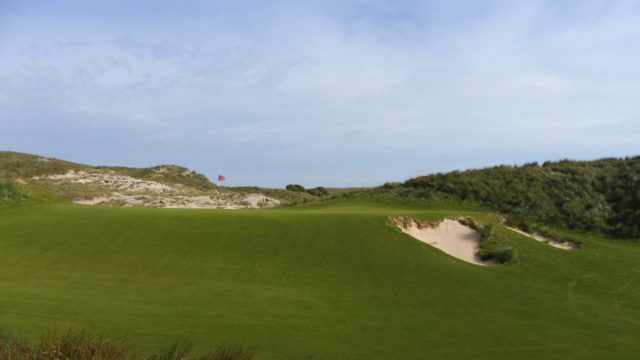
x,y
10,191
485,232
505,254
599,196
318,191
468,221
295,187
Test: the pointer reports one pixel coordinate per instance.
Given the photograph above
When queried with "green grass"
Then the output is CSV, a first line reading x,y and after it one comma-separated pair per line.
x,y
324,281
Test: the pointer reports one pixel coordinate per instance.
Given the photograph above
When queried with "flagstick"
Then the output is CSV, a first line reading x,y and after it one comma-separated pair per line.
x,y
217,191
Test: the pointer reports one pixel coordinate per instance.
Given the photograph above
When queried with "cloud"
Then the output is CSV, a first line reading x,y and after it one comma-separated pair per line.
x,y
289,92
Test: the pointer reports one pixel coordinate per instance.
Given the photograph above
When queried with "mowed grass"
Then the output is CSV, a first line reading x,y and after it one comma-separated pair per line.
x,y
322,282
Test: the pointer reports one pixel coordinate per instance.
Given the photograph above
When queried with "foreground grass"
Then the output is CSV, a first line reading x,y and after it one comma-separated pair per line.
x,y
82,345
325,281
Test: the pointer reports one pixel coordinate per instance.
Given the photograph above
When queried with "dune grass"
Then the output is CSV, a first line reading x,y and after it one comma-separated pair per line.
x,y
326,281
83,345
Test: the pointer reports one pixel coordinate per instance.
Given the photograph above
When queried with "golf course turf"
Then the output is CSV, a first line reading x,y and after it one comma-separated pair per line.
x,y
326,281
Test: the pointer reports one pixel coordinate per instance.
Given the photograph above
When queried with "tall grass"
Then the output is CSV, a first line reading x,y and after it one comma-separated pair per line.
x,y
10,191
82,345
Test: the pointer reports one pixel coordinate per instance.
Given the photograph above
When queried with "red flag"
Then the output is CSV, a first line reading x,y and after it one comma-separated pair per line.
x,y
221,178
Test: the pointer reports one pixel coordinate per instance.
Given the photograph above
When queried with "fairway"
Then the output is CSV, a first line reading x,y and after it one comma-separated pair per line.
x,y
318,282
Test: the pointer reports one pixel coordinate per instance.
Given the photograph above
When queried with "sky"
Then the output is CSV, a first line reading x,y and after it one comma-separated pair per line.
x,y
320,93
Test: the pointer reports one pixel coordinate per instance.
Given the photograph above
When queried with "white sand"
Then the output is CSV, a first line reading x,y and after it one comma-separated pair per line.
x,y
154,194
566,245
449,236
119,182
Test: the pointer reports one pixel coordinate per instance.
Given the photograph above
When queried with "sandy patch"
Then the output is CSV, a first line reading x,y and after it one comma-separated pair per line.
x,y
119,182
447,235
20,181
256,201
128,191
172,201
565,245
94,201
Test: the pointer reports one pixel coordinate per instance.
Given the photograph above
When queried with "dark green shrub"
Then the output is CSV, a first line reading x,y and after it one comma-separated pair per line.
x,y
485,254
295,187
485,231
505,254
600,196
318,191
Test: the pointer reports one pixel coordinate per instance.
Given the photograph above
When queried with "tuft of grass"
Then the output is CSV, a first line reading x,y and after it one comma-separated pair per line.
x,y
231,352
10,192
82,345
505,254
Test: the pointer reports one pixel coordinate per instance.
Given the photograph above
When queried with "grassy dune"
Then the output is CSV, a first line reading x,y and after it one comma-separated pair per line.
x,y
324,281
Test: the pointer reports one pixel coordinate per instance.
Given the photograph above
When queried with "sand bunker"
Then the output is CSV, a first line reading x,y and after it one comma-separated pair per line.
x,y
448,235
564,245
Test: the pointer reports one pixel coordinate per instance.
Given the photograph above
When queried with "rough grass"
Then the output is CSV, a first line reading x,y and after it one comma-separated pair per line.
x,y
10,192
83,345
25,167
325,281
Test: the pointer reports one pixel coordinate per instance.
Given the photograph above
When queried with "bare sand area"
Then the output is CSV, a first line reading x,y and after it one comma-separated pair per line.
x,y
128,191
564,245
448,235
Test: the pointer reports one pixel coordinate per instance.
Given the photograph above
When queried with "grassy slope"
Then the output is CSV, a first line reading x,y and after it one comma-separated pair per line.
x,y
331,280
597,196
22,166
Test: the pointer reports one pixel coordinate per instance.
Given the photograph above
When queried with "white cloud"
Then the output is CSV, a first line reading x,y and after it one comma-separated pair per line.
x,y
313,88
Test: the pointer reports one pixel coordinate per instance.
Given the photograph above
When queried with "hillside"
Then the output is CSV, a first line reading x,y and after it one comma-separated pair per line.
x,y
363,274
159,186
595,196
601,196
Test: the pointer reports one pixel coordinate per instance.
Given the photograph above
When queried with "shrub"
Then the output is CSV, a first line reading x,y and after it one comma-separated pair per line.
x,y
468,221
10,191
318,191
505,254
485,231
295,187
485,254
599,196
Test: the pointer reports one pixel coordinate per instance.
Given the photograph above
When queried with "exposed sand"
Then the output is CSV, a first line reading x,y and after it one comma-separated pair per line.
x,y
448,235
566,245
119,182
129,191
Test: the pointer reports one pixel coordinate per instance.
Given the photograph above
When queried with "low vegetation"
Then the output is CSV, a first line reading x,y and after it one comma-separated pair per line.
x,y
597,196
316,191
10,192
82,345
493,245
295,187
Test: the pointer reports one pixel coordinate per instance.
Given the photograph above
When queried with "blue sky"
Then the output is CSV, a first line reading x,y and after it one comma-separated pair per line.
x,y
331,93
